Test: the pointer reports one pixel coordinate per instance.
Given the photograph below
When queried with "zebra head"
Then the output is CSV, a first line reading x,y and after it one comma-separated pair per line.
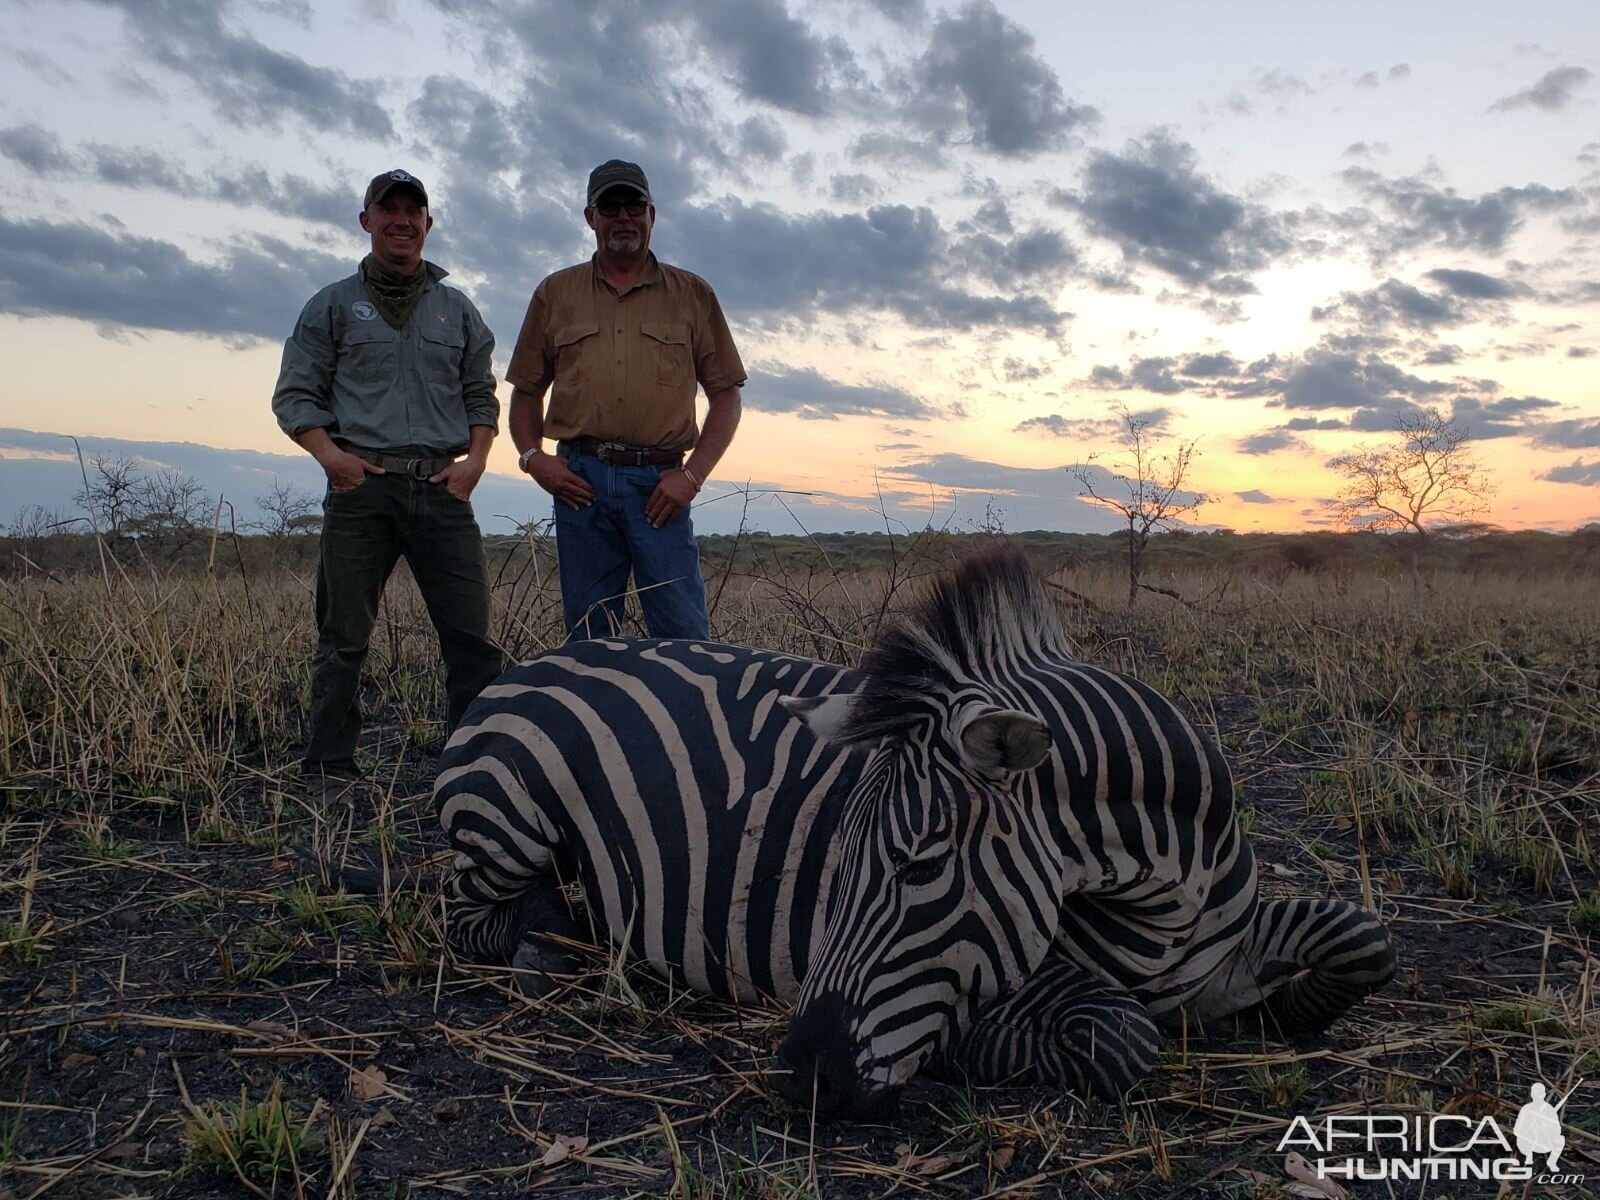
x,y
947,885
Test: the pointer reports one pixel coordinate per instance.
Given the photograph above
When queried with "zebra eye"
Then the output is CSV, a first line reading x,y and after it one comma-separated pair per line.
x,y
921,871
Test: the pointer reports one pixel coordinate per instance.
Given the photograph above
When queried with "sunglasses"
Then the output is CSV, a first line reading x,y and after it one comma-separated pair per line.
x,y
610,207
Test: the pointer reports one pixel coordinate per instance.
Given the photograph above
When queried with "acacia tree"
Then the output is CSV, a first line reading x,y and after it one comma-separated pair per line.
x,y
1146,490
288,510
1425,481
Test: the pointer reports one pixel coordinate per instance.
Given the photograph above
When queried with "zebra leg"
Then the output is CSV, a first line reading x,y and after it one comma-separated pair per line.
x,y
1304,964
1063,1028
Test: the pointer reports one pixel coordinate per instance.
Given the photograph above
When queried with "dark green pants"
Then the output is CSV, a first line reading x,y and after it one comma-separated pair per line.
x,y
364,533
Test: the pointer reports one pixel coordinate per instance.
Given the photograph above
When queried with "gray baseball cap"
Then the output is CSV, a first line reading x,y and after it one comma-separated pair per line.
x,y
382,185
616,173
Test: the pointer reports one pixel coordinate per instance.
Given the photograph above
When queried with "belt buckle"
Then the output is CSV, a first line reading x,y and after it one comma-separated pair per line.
x,y
617,453
416,468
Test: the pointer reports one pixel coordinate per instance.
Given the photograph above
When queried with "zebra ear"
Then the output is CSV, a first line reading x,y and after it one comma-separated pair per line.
x,y
823,715
1001,741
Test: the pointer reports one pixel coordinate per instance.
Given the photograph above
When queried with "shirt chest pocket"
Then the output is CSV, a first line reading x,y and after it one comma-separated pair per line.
x,y
442,345
666,348
575,347
367,353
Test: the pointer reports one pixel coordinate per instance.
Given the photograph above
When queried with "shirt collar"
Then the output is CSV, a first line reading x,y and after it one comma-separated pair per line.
x,y
651,272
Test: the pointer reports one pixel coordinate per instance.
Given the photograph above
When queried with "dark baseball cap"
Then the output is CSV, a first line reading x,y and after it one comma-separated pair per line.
x,y
616,173
382,185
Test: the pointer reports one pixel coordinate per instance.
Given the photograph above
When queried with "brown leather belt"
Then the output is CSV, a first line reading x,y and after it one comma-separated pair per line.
x,y
421,467
620,454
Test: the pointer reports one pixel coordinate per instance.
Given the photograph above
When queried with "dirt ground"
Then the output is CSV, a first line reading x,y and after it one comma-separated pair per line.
x,y
155,975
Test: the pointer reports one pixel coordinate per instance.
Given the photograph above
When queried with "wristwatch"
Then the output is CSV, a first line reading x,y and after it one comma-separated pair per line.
x,y
522,459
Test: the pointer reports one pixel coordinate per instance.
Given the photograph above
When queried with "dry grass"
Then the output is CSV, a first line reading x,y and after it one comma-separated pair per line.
x,y
171,978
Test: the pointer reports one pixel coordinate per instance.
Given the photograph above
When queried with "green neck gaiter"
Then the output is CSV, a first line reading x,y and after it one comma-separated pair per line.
x,y
395,295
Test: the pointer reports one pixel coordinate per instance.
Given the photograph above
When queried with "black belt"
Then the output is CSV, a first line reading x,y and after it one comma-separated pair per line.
x,y
420,467
620,454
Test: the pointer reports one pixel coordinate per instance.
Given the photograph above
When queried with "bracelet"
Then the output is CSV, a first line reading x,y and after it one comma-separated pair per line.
x,y
522,459
697,483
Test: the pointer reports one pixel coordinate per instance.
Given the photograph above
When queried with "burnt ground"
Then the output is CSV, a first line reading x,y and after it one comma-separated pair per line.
x,y
154,979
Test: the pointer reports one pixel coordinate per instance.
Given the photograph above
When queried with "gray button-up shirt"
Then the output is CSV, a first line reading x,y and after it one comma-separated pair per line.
x,y
421,386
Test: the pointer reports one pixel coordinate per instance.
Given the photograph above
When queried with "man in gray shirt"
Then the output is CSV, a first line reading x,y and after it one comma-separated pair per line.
x,y
386,382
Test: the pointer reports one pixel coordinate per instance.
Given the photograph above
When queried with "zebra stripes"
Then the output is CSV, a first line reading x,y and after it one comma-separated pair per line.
x,y
973,854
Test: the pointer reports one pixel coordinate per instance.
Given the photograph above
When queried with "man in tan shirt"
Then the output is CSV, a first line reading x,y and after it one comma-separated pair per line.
x,y
625,340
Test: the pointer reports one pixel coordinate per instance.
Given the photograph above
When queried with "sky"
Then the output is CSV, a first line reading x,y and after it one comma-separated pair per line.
x,y
955,243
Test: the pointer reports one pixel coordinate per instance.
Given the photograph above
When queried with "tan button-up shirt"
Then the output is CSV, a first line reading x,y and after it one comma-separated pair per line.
x,y
624,367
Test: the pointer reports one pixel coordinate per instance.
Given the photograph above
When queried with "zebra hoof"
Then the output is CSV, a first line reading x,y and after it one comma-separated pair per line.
x,y
534,967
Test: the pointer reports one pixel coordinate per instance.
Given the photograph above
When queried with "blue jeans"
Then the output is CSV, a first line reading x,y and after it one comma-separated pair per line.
x,y
364,533
598,546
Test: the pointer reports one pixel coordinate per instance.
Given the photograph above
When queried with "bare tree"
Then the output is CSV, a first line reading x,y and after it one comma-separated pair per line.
x,y
288,510
170,509
1146,490
1426,481
112,493
30,532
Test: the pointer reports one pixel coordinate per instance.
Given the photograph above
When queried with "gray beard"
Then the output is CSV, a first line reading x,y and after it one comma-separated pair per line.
x,y
625,244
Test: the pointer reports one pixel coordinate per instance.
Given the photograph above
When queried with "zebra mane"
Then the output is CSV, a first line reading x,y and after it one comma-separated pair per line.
x,y
969,627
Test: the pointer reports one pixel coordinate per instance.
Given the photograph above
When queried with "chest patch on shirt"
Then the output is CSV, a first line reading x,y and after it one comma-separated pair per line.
x,y
363,310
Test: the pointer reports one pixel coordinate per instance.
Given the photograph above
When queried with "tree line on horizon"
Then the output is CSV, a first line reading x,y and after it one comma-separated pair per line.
x,y
1415,499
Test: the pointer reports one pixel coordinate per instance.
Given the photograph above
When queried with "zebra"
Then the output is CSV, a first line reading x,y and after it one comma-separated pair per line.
x,y
973,855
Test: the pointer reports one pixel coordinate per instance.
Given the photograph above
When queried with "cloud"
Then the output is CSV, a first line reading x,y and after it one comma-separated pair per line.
x,y
36,148
890,258
1393,303
980,74
1270,442
147,170
1152,201
1552,93
1473,285
808,393
1505,416
775,58
255,291
1031,497
1421,213
1577,471
1323,379
1580,352
1572,434
1255,497
762,137
249,84
1210,366
1092,429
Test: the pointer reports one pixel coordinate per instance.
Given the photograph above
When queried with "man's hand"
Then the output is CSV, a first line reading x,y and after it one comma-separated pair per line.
x,y
460,477
344,470
550,471
672,496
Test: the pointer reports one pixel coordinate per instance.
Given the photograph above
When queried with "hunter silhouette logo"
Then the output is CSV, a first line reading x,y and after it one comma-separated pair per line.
x,y
1437,1146
1538,1127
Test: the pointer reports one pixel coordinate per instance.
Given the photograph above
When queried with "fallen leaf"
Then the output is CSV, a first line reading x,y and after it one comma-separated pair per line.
x,y
271,1027
563,1148
447,1110
77,1062
384,1119
933,1164
1296,1166
1001,1158
1283,872
369,1083
121,1152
